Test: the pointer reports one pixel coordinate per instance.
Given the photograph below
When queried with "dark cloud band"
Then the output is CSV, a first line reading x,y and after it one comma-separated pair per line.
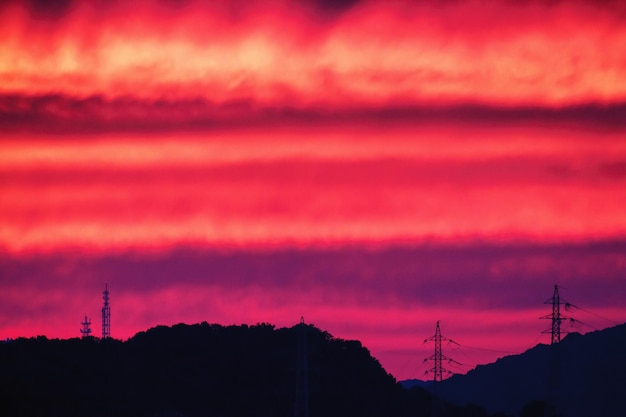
x,y
65,114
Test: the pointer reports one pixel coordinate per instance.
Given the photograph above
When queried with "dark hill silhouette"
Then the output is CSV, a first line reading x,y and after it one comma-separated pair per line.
x,y
582,376
202,370
410,383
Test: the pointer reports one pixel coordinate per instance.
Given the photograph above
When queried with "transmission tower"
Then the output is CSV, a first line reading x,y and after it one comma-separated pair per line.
x,y
86,330
556,316
302,373
106,314
438,370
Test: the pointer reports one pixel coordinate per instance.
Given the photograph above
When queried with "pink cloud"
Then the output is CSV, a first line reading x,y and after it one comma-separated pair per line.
x,y
164,215
329,185
501,53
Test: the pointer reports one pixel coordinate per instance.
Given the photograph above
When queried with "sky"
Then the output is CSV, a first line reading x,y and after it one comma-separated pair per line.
x,y
373,167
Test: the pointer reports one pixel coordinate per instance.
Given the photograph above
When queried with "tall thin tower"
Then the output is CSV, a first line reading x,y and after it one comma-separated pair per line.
x,y
556,316
86,330
301,407
106,313
438,370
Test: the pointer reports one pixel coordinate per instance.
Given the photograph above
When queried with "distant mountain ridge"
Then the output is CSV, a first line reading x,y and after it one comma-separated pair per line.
x,y
410,383
582,376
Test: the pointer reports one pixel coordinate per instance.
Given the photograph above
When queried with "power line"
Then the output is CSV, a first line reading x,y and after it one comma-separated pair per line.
x,y
487,350
472,360
570,305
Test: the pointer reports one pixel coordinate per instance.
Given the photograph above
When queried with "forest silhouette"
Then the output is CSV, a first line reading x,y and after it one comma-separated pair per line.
x,y
204,370
253,371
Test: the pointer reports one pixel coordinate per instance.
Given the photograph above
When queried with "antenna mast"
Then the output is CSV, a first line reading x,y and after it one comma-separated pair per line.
x,y
556,316
106,314
438,357
86,330
302,373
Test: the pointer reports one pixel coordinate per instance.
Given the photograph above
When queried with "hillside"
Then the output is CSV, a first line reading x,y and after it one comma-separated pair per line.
x,y
583,376
202,370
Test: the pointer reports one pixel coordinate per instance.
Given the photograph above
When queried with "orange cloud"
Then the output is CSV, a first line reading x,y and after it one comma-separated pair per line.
x,y
504,53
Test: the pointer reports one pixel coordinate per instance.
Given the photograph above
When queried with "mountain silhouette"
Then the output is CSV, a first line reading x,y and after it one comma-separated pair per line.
x,y
582,376
205,370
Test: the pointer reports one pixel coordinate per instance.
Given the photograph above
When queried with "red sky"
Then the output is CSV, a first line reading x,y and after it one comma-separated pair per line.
x,y
373,166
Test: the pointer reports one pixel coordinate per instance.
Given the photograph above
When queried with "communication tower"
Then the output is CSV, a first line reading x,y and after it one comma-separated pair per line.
x,y
106,314
301,408
86,330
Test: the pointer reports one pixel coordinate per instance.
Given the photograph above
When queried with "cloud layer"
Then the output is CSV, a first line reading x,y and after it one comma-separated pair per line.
x,y
373,166
307,53
383,182
486,295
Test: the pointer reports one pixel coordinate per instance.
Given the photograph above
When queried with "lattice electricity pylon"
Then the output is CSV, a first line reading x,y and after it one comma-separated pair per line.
x,y
555,330
86,330
438,370
106,313
555,316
